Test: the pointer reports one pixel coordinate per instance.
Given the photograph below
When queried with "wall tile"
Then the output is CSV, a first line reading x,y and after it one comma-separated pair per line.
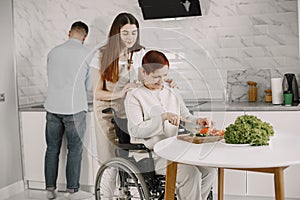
x,y
286,39
287,50
237,42
236,31
253,52
226,52
286,6
292,62
289,29
255,8
235,21
265,62
231,63
223,10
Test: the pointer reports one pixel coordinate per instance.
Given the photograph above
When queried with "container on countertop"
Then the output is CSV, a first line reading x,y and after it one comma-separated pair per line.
x,y
268,96
252,91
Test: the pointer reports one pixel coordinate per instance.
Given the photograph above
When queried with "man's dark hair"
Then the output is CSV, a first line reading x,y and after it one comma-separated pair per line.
x,y
80,26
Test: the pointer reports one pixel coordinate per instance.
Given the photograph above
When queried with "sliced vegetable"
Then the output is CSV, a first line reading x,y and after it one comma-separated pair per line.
x,y
204,130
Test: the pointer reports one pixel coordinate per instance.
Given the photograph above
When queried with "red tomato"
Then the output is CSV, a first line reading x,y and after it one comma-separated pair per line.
x,y
204,131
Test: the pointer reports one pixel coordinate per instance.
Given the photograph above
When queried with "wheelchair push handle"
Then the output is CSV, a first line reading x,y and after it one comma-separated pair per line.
x,y
109,110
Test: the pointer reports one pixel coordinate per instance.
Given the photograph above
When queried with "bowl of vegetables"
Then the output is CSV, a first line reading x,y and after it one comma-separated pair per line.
x,y
248,129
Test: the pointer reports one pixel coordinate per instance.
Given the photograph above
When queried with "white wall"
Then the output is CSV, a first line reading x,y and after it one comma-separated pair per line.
x,y
10,156
233,35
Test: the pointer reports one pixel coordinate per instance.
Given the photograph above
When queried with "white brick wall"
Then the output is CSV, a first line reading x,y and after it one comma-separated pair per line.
x,y
233,35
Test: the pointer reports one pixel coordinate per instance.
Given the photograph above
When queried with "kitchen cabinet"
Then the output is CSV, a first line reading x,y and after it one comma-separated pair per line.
x,y
284,122
34,146
235,180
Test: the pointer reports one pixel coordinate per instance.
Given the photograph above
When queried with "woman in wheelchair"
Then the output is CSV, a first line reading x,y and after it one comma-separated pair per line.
x,y
154,111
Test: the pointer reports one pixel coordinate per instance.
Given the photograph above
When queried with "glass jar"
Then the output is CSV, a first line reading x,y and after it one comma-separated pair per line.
x,y
268,96
252,91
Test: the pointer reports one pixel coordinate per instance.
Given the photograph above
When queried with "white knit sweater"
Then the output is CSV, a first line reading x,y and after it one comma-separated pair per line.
x,y
144,108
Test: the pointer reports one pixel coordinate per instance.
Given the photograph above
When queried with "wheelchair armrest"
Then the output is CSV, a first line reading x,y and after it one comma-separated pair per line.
x,y
135,147
138,146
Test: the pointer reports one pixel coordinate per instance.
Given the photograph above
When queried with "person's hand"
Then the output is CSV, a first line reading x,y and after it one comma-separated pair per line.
x,y
206,122
172,118
171,82
128,87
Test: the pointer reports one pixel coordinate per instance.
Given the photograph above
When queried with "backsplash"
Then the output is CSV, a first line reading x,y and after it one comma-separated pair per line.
x,y
237,83
233,36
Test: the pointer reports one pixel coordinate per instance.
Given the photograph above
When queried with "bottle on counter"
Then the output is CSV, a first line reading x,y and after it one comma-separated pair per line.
x,y
252,91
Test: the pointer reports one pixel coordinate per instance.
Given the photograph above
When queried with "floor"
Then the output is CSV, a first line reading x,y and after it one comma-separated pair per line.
x,y
38,195
41,195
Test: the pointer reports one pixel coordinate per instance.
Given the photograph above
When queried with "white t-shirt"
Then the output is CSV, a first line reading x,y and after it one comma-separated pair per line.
x,y
125,76
134,73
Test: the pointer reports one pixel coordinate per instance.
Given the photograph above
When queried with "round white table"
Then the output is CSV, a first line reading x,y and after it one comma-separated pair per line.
x,y
282,152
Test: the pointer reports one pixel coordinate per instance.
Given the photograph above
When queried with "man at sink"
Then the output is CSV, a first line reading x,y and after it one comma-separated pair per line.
x,y
154,112
66,106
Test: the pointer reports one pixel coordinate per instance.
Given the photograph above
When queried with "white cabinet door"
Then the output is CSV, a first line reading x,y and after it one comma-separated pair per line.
x,y
281,121
33,137
34,147
235,180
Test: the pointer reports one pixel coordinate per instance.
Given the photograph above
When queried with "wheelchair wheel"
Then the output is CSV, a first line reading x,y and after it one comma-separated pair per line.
x,y
120,179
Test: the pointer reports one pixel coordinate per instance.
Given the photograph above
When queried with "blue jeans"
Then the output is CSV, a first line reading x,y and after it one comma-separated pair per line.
x,y
74,127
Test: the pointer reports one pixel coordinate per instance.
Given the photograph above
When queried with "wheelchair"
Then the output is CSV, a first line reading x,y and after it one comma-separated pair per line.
x,y
130,179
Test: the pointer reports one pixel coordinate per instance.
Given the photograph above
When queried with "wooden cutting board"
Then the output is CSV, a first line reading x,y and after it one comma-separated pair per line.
x,y
199,140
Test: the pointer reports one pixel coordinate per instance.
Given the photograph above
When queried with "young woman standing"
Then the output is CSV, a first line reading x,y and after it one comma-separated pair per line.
x,y
118,61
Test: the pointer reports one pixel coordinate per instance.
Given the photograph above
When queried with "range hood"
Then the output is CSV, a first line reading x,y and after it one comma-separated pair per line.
x,y
159,9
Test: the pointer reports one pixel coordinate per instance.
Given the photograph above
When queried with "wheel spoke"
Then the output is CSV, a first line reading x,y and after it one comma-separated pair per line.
x,y
120,179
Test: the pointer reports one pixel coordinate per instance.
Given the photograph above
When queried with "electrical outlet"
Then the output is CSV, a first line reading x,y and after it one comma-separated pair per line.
x,y
2,97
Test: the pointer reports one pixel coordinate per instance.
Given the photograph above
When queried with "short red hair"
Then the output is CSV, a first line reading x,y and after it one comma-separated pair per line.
x,y
154,60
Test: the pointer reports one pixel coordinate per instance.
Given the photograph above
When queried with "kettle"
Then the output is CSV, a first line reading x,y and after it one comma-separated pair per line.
x,y
289,84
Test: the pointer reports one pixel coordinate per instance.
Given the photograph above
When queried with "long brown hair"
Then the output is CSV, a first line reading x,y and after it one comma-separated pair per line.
x,y
111,51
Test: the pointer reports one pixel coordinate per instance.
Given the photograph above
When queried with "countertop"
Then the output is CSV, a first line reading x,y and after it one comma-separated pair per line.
x,y
241,106
202,105
40,108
